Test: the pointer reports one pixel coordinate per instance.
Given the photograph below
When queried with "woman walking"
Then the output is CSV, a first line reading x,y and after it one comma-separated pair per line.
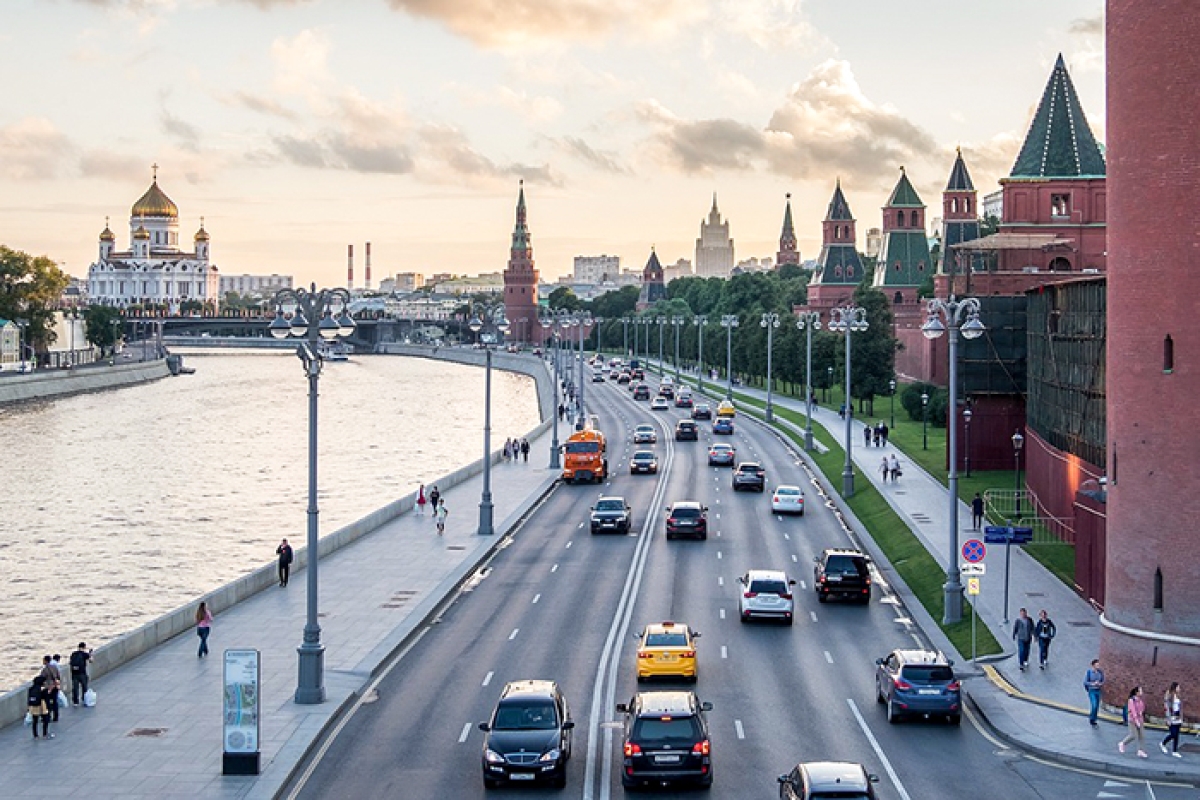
x,y
1135,711
421,500
1173,711
204,620
441,517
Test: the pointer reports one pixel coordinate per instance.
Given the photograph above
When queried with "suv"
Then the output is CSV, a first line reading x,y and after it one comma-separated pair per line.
x,y
766,593
666,390
685,429
666,740
749,475
641,392
842,572
529,735
918,682
687,518
611,514
817,779
701,411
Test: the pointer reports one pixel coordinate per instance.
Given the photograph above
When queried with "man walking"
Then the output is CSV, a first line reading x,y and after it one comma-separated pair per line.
x,y
866,435
525,450
1023,633
434,498
1093,682
1045,630
977,512
441,517
79,675
284,551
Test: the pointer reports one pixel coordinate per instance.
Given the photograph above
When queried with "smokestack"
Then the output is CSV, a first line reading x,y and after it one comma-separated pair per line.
x,y
367,285
350,267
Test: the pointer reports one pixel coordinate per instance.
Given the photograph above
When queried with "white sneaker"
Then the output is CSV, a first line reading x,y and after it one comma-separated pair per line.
x,y
1162,747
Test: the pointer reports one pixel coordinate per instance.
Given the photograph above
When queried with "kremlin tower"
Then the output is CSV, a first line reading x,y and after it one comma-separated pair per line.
x,y
521,281
788,254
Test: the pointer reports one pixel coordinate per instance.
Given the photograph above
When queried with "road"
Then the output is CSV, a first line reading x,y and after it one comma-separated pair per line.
x,y
559,603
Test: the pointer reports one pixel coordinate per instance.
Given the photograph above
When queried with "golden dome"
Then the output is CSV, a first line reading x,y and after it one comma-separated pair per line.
x,y
201,235
107,236
141,233
154,203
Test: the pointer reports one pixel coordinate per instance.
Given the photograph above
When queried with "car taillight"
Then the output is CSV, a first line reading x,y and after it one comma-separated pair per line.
x,y
688,654
953,686
670,520
903,685
750,595
786,596
645,655
632,749
702,748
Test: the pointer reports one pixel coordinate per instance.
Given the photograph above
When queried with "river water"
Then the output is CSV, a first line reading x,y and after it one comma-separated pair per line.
x,y
122,505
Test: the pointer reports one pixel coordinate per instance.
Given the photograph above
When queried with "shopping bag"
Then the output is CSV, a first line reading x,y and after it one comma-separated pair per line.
x,y
89,698
28,717
63,702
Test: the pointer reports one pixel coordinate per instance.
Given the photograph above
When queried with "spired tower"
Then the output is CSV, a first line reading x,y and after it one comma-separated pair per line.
x,y
839,267
960,221
714,248
788,254
1151,628
521,280
904,262
653,286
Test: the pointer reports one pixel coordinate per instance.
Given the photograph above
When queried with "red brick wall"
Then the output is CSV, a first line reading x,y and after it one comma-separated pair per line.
x,y
1055,476
1154,443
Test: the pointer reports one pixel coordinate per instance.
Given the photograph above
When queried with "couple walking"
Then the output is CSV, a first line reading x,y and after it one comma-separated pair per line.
x,y
436,500
890,466
1025,630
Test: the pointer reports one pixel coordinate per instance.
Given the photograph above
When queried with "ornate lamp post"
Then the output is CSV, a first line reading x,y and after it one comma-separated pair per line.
x,y
311,304
828,382
647,321
677,322
729,322
770,321
482,316
661,322
701,321
1018,442
848,320
892,398
625,330
809,321
924,420
966,414
549,323
960,315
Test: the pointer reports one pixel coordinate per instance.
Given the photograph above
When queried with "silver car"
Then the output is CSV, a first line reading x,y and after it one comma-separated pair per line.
x,y
766,594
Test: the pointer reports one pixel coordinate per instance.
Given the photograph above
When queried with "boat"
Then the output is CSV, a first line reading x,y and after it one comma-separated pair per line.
x,y
336,351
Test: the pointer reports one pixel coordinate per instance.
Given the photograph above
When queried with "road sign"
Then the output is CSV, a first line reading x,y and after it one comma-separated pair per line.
x,y
973,551
972,586
974,569
1006,534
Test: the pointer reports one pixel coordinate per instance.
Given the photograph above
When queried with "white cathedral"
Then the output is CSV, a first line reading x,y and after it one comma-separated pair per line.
x,y
154,271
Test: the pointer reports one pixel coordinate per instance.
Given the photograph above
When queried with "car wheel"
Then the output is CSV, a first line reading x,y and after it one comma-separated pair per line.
x,y
560,782
488,783
893,716
955,719
822,598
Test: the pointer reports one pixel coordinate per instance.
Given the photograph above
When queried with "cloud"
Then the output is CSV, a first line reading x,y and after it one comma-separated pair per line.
x,y
103,164
301,63
602,160
261,105
1087,26
769,24
447,154
702,145
187,133
33,149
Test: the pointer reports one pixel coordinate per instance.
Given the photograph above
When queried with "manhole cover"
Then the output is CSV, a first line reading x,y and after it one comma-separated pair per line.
x,y
147,732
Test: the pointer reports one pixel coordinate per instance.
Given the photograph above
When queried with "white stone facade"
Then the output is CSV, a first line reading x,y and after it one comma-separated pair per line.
x,y
597,269
250,285
714,248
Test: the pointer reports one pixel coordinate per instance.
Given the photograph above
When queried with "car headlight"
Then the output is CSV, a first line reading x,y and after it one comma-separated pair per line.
x,y
551,755
492,757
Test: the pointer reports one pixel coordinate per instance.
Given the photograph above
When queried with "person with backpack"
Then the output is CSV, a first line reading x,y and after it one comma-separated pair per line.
x,y
1044,631
79,674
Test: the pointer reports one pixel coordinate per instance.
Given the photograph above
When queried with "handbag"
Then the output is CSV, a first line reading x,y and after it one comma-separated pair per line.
x,y
62,699
89,698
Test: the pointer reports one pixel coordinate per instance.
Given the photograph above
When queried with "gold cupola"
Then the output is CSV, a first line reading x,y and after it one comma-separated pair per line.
x,y
141,233
155,203
107,235
201,235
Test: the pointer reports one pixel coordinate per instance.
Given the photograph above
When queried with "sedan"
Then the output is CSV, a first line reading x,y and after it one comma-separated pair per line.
x,y
667,650
528,735
644,434
659,404
643,461
701,411
788,500
723,426
721,455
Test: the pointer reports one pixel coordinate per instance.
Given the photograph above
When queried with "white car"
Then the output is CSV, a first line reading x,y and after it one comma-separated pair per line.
x,y
766,594
644,434
788,500
659,403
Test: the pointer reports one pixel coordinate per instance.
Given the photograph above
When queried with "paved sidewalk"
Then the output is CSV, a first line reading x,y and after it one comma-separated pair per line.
x,y
156,730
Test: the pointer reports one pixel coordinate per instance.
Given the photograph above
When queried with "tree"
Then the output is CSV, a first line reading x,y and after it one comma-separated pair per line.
x,y
30,289
102,326
614,305
564,298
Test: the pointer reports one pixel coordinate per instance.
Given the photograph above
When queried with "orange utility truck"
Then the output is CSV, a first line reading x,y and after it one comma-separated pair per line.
x,y
585,457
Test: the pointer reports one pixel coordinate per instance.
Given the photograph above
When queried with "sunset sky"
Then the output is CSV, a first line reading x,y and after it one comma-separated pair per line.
x,y
295,127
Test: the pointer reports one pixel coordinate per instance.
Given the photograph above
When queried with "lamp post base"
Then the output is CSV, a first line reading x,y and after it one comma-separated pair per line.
x,y
310,689
770,415
808,442
953,603
848,482
485,517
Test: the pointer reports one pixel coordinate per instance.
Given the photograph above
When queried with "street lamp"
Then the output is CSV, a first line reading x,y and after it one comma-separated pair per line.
x,y
625,331
770,321
809,321
647,322
549,323
960,315
661,322
848,320
1018,441
892,396
729,322
701,321
584,319
318,306
828,382
677,322
479,320
924,420
967,429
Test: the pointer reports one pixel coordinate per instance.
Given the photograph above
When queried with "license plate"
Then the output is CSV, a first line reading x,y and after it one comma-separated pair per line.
x,y
666,658
834,578
521,776
666,759
929,691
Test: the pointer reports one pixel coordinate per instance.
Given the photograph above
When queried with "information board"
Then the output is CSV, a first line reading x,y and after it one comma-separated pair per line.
x,y
241,706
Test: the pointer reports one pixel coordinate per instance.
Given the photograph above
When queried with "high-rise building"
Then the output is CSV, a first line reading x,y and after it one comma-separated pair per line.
x,y
521,280
682,268
714,248
596,269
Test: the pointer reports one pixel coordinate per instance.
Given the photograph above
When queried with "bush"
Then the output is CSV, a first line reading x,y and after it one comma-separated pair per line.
x,y
939,398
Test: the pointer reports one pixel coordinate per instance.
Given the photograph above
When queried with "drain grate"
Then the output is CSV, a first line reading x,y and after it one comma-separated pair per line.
x,y
147,732
456,547
1078,624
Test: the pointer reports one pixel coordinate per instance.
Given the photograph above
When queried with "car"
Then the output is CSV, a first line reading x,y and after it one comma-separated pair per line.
x,y
643,461
528,735
667,380
638,374
683,400
749,475
826,779
767,594
644,434
667,391
686,430
918,682
723,426
623,378
614,375
722,455
702,411
641,392
665,740
659,404
611,514
597,377
687,518
842,573
726,409
667,649
788,499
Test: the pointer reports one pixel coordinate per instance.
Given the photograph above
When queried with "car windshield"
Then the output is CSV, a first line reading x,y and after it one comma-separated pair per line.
x,y
643,456
525,716
610,505
846,565
840,794
928,673
749,468
685,513
763,586
644,429
673,639
583,447
669,731
721,448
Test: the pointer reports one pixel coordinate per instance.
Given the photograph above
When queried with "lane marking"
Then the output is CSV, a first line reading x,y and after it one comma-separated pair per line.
x,y
789,538
813,614
720,581
513,635
737,726
722,613
724,652
718,555
794,559
580,525
488,678
466,731
887,765
571,543
536,597
828,657
554,568
803,585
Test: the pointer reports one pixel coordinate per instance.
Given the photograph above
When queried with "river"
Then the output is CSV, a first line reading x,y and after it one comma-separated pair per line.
x,y
122,505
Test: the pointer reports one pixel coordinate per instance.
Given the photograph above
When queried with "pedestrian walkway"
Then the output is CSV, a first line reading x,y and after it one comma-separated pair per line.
x,y
156,729
1043,711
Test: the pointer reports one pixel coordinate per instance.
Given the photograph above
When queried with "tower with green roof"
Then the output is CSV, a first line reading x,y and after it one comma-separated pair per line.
x,y
839,266
904,262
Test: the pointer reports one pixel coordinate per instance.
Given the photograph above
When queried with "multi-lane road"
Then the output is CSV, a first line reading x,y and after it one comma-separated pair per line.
x,y
557,602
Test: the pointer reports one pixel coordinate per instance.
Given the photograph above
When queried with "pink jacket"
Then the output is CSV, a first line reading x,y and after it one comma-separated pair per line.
x,y
1137,712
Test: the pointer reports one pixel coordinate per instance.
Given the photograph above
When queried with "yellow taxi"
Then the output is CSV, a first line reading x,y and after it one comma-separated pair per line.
x,y
667,649
726,409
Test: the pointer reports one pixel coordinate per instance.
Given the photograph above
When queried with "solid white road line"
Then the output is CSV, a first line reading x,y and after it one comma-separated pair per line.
x,y
828,657
488,678
513,635
887,765
536,597
466,731
737,726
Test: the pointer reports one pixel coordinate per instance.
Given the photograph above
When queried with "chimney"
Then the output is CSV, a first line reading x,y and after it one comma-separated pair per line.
x,y
350,267
367,285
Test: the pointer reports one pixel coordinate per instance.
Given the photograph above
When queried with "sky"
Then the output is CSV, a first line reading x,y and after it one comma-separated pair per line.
x,y
296,127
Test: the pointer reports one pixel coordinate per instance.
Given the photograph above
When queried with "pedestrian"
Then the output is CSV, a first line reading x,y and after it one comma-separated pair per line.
x,y
505,454
1023,633
1173,713
421,500
894,468
885,468
50,698
561,411
1135,709
35,703
525,450
62,695
53,684
204,620
866,435
1044,629
1093,682
976,511
286,556
883,432
441,517
434,496
842,411
79,674
877,434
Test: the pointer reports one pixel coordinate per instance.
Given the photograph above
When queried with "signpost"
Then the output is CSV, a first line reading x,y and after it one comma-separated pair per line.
x,y
973,553
1007,536
973,591
240,727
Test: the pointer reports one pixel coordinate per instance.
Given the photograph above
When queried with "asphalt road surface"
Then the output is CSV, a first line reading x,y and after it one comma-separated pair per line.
x,y
562,604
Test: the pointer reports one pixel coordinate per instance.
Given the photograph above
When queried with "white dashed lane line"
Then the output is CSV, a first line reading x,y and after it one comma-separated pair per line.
x,y
466,731
803,585
813,614
513,635
718,555
789,538
720,581
488,678
794,559
828,657
737,726
554,568
581,525
536,597
569,544
724,651
722,613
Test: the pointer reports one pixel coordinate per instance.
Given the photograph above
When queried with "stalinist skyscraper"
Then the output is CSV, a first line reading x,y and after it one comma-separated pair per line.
x,y
714,248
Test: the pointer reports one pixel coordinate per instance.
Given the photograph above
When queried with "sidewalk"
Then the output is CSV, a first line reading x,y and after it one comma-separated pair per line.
x,y
156,729
1041,711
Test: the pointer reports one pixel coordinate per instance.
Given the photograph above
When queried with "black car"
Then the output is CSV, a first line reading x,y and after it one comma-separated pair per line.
x,y
686,430
611,514
641,392
529,735
666,740
842,573
643,461
687,518
824,779
701,411
749,475
918,682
